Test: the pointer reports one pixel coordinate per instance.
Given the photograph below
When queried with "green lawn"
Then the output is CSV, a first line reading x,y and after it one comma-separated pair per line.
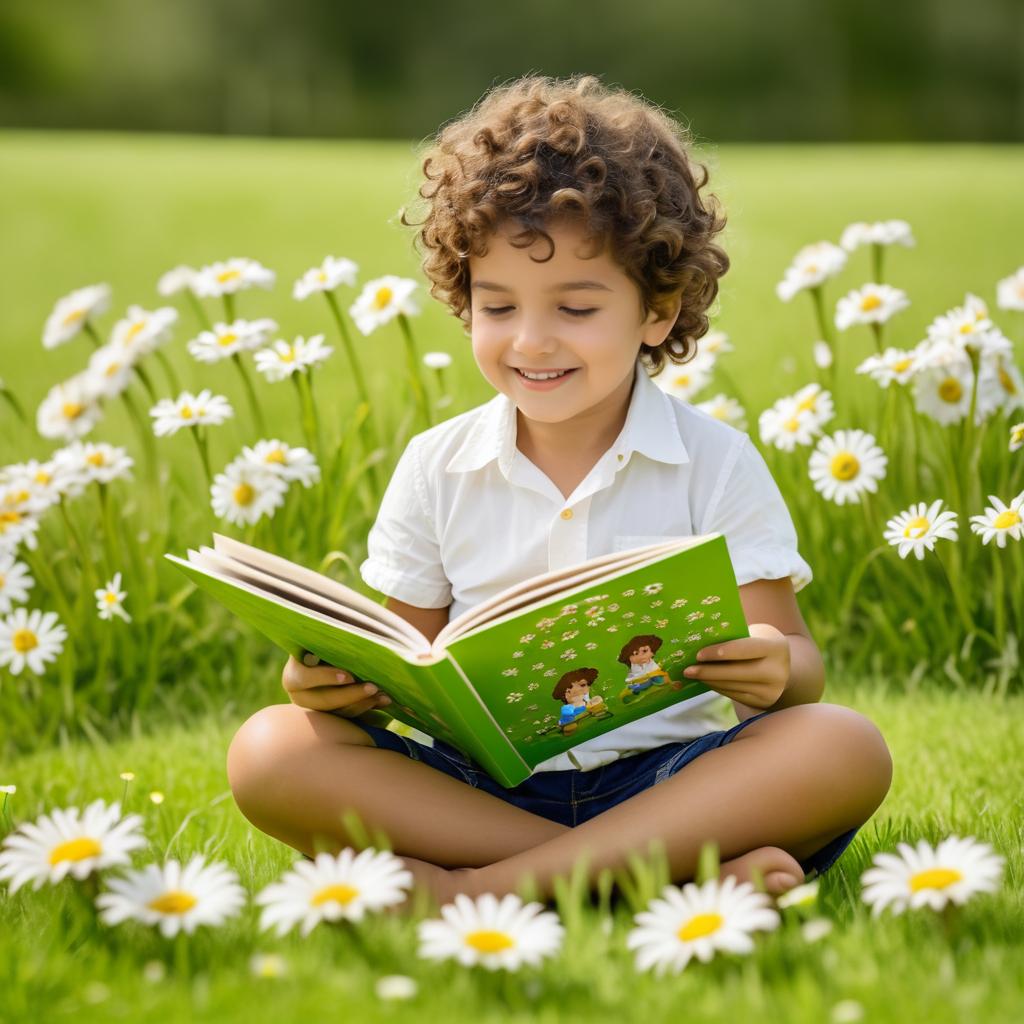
x,y
79,209
957,770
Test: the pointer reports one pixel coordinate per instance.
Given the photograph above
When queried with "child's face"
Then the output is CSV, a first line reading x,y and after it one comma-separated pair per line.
x,y
577,690
641,655
526,321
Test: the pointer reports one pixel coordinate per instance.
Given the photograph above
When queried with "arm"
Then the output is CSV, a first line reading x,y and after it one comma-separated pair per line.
x,y
773,604
429,621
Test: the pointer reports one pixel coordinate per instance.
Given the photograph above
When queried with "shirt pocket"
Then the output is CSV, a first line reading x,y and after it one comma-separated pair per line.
x,y
627,541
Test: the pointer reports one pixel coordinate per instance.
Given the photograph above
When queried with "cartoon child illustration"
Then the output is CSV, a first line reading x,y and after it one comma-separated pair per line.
x,y
573,689
644,671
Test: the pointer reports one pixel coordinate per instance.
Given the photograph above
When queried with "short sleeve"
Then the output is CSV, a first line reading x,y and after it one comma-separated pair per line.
x,y
403,556
748,508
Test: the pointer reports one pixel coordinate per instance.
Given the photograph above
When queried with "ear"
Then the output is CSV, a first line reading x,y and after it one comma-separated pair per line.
x,y
656,329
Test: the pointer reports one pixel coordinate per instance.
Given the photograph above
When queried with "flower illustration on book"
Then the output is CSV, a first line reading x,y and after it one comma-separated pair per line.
x,y
596,620
653,588
716,615
567,654
628,593
694,616
518,654
680,602
526,638
711,599
595,598
533,686
537,667
510,672
613,629
657,604
545,644
629,615
613,608
514,697
694,638
592,611
570,634
545,623
709,629
590,646
570,609
723,625
551,672
661,623
645,618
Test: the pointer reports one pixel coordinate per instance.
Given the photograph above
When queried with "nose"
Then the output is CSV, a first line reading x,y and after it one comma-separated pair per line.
x,y
532,337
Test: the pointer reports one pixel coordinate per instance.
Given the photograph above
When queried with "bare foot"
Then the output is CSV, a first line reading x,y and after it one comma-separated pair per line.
x,y
781,871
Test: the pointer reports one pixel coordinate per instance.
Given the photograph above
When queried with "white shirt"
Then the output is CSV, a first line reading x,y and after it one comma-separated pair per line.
x,y
466,515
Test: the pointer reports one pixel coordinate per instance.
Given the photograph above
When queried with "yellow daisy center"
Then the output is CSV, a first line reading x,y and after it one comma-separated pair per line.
x,y
3,579
16,497
96,459
950,390
720,412
870,302
174,901
72,410
1007,381
321,276
489,941
901,365
700,925
24,640
244,494
681,380
134,329
1006,520
275,456
1017,435
917,527
845,466
792,425
227,339
185,412
110,597
288,355
75,849
808,403
111,369
73,316
811,268
42,477
383,297
967,328
934,878
8,517
228,275
337,893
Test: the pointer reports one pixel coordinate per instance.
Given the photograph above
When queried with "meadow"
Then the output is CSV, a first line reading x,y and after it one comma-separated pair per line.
x,y
938,670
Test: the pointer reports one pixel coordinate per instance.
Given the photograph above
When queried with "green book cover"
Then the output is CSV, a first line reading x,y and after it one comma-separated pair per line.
x,y
538,669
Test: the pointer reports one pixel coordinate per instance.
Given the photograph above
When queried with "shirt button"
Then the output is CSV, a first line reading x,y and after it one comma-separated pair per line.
x,y
566,513
619,457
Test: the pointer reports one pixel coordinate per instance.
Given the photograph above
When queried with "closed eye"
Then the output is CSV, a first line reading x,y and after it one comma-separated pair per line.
x,y
499,310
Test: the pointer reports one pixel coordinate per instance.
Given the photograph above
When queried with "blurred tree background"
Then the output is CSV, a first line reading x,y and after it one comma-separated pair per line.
x,y
785,70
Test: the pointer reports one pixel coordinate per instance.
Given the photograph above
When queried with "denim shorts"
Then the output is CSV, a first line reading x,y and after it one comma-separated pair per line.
x,y
573,797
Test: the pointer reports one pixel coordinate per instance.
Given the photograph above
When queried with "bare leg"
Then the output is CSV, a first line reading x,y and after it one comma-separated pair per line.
x,y
295,772
793,780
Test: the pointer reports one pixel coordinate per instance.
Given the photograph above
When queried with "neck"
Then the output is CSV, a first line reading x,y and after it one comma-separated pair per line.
x,y
589,434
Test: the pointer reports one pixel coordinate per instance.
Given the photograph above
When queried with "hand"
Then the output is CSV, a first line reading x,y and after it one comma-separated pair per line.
x,y
753,670
326,688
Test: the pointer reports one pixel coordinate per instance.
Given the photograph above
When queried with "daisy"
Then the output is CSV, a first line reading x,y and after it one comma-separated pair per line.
x,y
110,600
141,331
267,965
30,638
188,410
283,460
726,409
811,266
697,921
919,527
176,280
894,364
818,402
110,368
15,581
69,409
381,300
815,929
944,392
683,381
99,462
227,339
1010,291
172,897
67,842
437,360
230,276
925,877
822,355
1017,436
871,304
17,527
395,986
332,273
785,425
998,521
333,887
282,359
50,480
1000,386
492,934
71,313
244,492
882,232
20,494
805,895
846,464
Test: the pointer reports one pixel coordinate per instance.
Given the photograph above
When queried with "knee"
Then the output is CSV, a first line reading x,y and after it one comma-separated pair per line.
x,y
257,750
858,743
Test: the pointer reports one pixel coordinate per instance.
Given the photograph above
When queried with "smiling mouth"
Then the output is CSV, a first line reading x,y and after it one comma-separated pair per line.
x,y
545,373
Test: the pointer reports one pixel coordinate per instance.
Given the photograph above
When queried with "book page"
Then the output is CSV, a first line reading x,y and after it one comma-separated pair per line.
x,y
318,584
282,588
539,587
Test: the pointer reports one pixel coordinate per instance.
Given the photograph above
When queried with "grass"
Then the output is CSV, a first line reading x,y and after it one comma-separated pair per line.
x,y
957,770
85,208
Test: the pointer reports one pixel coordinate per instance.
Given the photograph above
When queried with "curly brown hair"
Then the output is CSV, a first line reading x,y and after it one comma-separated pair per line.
x,y
539,148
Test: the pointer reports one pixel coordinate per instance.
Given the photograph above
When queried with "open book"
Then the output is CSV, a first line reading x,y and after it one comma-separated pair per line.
x,y
540,667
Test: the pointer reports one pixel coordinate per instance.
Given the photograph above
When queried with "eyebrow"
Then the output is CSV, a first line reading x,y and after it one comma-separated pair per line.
x,y
567,286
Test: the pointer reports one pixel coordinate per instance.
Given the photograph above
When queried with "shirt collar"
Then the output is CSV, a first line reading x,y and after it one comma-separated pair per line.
x,y
650,428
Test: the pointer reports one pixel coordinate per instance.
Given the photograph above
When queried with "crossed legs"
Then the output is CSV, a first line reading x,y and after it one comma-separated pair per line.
x,y
782,789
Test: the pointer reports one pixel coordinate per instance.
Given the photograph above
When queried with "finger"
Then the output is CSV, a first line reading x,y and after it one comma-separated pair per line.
x,y
299,677
327,698
734,671
736,650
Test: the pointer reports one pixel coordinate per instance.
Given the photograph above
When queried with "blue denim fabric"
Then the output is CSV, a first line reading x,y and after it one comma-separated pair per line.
x,y
573,797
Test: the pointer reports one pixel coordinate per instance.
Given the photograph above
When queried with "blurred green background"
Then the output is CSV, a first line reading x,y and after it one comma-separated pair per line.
x,y
789,70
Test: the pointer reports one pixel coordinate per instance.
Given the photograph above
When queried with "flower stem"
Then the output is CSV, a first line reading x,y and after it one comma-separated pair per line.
x,y
15,405
876,330
90,333
415,379
998,596
199,433
229,306
146,382
250,391
197,308
77,543
172,378
877,254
